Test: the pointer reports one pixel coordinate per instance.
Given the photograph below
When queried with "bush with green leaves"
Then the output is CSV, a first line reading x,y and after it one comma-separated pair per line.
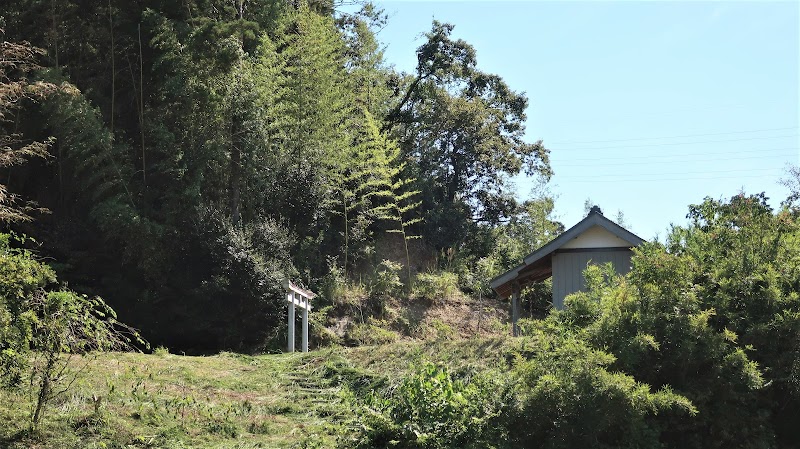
x,y
568,395
745,260
661,335
223,274
433,409
678,319
386,279
384,284
21,277
436,287
48,335
373,332
319,334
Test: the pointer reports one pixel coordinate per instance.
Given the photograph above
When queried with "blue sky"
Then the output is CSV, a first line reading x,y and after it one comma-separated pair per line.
x,y
647,107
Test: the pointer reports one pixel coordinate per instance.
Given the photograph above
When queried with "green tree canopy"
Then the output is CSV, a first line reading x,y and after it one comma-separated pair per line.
x,y
464,130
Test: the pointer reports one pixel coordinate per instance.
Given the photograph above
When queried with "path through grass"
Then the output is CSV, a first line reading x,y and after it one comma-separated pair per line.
x,y
127,400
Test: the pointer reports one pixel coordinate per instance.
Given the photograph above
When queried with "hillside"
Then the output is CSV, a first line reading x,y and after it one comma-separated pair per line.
x,y
696,347
168,166
356,321
228,401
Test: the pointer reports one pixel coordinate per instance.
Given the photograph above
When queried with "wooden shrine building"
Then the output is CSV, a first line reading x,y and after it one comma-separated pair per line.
x,y
595,239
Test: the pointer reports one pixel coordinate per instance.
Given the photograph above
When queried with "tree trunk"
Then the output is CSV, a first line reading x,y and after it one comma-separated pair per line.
x,y
113,69
55,32
346,234
234,186
141,107
44,391
237,141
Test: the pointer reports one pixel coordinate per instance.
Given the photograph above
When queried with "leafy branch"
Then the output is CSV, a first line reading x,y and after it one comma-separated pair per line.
x,y
399,208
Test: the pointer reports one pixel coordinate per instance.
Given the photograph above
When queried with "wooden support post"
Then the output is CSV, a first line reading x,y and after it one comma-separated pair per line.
x,y
290,297
515,310
305,324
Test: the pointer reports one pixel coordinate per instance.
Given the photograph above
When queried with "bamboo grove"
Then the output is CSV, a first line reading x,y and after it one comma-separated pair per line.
x,y
198,152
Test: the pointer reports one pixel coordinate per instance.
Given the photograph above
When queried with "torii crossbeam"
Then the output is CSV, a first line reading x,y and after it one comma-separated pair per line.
x,y
298,297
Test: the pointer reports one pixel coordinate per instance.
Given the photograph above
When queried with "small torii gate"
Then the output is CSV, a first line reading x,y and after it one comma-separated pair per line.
x,y
298,297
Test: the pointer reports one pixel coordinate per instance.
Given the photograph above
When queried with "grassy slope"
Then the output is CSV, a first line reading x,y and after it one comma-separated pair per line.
x,y
427,315
228,400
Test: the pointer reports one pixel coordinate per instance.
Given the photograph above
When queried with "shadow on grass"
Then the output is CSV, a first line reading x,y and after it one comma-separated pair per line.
x,y
22,437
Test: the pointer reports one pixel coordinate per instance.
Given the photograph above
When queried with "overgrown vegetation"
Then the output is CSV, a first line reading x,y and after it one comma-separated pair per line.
x,y
697,347
204,151
195,154
43,328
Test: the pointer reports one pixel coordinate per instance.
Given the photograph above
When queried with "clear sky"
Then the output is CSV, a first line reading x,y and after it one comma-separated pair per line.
x,y
647,107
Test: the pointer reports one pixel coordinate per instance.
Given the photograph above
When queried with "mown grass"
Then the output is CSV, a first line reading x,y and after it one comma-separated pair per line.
x,y
128,400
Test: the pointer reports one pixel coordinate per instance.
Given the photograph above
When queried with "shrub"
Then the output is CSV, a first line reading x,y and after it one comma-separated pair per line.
x,y
658,329
373,332
443,330
161,351
319,334
567,397
334,284
233,275
745,261
40,330
21,277
436,288
385,281
431,409
383,284
408,322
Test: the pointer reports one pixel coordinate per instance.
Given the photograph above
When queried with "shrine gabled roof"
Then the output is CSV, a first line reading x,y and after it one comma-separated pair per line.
x,y
537,265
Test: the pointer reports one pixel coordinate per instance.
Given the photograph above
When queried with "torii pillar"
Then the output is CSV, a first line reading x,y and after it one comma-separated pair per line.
x,y
297,297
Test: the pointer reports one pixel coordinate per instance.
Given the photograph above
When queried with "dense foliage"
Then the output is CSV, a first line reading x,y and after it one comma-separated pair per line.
x,y
194,154
431,409
202,151
697,347
42,327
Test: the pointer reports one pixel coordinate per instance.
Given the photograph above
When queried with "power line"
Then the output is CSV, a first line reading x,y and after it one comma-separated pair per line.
x,y
680,111
682,161
672,137
651,156
674,143
656,113
748,170
702,178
